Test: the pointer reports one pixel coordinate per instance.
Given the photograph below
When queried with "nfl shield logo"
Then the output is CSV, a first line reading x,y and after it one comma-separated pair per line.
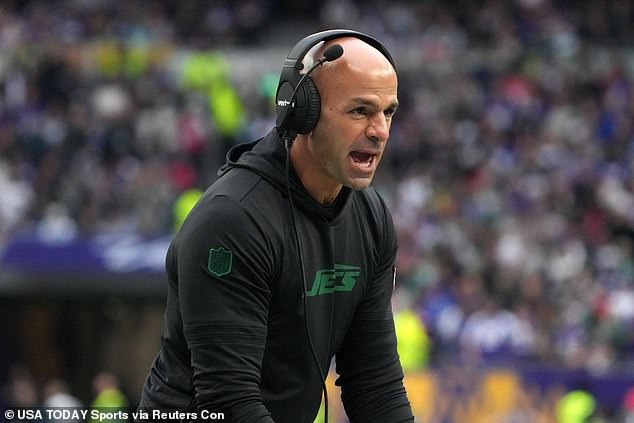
x,y
220,261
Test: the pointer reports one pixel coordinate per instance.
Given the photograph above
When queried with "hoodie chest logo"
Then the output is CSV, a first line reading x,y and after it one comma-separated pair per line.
x,y
220,261
342,278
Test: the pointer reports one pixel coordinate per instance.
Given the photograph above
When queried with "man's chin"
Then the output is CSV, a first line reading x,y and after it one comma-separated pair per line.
x,y
359,184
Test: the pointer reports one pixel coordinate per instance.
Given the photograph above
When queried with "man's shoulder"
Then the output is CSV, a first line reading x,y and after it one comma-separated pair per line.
x,y
239,198
236,183
230,205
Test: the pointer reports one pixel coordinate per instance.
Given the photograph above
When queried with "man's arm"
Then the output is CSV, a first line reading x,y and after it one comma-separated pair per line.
x,y
371,377
222,261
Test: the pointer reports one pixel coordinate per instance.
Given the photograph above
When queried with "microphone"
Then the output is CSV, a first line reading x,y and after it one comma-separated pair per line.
x,y
333,52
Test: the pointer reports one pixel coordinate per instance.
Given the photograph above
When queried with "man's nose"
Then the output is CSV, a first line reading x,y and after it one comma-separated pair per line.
x,y
378,128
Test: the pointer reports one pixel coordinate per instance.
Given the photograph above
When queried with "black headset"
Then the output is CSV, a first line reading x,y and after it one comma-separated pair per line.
x,y
297,101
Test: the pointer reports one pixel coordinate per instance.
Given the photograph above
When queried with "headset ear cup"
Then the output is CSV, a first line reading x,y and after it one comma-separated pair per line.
x,y
313,107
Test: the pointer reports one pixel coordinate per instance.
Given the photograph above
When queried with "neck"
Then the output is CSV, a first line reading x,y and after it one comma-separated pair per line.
x,y
322,188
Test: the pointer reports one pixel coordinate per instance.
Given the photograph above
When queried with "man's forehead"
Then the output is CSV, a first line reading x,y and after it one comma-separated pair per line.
x,y
373,101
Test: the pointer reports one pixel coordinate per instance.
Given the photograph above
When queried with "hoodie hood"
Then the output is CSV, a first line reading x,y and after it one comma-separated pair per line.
x,y
267,158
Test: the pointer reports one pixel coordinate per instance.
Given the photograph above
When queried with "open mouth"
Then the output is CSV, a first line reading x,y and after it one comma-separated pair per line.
x,y
363,159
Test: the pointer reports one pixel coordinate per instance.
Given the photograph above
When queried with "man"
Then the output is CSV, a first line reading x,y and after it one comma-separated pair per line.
x,y
266,287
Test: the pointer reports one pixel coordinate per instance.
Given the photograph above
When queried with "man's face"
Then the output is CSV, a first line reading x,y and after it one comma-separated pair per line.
x,y
357,105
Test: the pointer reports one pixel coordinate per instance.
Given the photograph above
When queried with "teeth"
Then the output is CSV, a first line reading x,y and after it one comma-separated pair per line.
x,y
363,158
365,163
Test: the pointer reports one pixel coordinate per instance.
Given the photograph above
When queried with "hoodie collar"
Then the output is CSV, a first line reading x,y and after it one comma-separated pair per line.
x,y
267,157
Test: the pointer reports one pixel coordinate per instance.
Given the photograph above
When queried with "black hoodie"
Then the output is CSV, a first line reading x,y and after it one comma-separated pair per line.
x,y
234,337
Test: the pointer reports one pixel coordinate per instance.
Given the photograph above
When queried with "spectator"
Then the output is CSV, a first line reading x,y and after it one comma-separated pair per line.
x,y
57,394
108,396
496,332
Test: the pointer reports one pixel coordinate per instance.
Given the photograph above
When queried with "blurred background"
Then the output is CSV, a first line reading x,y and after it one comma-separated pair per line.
x,y
510,174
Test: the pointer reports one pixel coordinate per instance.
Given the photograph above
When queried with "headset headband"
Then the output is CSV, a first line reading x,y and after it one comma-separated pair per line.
x,y
303,46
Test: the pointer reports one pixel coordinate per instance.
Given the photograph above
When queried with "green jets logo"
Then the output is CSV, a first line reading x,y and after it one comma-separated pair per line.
x,y
220,261
342,278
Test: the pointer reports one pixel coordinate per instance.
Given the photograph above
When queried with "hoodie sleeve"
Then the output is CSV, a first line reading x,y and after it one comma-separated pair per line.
x,y
222,260
371,377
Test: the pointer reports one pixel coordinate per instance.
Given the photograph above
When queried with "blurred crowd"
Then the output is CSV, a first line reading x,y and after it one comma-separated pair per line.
x,y
509,170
